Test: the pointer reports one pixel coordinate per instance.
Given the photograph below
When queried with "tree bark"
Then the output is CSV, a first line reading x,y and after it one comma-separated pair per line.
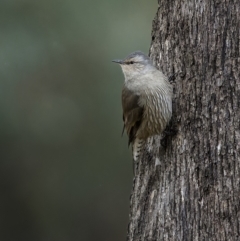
x,y
191,190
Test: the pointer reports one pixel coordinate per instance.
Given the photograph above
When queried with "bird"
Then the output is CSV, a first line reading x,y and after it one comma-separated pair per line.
x,y
146,100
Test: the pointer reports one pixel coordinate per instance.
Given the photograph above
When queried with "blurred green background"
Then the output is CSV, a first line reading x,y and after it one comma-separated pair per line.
x,y
65,171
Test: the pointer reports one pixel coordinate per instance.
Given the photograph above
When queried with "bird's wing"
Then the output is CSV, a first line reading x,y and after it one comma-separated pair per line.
x,y
132,113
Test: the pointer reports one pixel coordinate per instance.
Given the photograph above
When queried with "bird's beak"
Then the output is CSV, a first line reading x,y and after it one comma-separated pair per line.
x,y
118,61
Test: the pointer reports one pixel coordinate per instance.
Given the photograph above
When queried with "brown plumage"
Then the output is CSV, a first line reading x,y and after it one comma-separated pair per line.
x,y
132,113
146,100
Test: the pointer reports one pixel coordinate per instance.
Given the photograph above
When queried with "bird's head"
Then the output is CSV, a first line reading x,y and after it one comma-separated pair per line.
x,y
137,63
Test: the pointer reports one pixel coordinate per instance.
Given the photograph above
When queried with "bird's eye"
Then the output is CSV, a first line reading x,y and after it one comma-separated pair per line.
x,y
131,62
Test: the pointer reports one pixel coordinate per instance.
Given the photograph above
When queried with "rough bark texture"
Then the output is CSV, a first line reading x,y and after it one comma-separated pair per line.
x,y
192,190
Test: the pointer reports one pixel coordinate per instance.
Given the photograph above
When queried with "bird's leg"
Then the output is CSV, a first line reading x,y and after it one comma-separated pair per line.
x,y
170,132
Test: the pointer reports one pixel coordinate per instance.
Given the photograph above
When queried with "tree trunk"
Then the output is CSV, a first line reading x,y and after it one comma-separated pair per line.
x,y
191,190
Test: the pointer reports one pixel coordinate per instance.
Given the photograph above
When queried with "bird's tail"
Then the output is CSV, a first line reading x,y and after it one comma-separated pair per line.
x,y
151,147
137,148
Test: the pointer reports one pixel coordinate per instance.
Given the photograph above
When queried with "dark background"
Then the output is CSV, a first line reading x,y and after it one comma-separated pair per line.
x,y
65,171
